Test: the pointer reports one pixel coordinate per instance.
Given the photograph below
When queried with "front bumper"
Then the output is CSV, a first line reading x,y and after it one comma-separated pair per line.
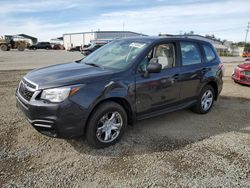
x,y
62,120
240,80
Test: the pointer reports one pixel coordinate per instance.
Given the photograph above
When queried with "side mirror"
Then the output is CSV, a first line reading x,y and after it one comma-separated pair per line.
x,y
154,66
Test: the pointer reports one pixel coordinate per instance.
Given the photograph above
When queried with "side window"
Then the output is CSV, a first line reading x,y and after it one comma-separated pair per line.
x,y
165,54
190,53
209,53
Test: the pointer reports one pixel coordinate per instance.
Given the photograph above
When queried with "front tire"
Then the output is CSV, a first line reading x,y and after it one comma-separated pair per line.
x,y
106,125
205,101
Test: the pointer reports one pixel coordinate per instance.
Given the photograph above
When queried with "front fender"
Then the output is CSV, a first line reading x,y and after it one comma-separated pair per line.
x,y
92,94
118,90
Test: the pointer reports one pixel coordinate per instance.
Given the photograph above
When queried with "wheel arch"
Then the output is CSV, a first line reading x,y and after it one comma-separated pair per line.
x,y
119,100
215,87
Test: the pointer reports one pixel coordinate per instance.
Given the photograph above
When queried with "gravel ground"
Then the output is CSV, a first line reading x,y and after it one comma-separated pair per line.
x,y
30,59
180,149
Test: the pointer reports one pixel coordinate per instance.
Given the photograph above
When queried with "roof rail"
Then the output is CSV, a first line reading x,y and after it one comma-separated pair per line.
x,y
183,36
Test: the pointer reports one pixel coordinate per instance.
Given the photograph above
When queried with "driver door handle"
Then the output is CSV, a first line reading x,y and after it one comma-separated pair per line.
x,y
176,76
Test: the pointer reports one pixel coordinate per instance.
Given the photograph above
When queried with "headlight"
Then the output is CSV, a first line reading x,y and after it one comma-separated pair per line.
x,y
58,94
241,71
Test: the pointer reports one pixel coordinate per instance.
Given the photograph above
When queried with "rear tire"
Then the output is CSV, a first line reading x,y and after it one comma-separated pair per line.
x,y
205,101
20,48
4,47
106,125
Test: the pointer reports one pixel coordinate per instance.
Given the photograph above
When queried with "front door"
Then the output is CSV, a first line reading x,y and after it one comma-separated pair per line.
x,y
155,91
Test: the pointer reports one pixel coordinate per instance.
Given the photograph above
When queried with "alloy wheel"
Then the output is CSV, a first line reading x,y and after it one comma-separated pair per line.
x,y
207,100
109,126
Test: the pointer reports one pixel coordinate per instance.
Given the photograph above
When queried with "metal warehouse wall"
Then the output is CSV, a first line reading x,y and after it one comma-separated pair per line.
x,y
66,41
80,39
114,35
89,37
71,40
77,39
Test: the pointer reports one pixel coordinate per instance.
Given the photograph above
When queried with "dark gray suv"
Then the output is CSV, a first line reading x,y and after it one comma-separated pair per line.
x,y
41,45
122,82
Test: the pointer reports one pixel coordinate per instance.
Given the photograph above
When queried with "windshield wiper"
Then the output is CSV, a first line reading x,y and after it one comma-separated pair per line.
x,y
94,65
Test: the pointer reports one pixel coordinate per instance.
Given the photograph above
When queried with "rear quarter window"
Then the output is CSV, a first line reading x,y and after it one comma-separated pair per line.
x,y
209,53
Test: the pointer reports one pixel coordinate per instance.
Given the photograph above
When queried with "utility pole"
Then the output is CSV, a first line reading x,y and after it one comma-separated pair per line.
x,y
123,25
247,30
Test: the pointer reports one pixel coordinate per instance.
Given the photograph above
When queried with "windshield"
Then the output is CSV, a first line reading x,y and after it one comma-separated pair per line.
x,y
117,54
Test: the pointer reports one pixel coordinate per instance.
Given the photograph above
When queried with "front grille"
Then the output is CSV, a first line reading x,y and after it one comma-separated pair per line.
x,y
247,73
24,91
28,84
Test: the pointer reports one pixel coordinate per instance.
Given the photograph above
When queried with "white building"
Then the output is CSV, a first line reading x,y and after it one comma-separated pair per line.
x,y
85,38
58,40
29,39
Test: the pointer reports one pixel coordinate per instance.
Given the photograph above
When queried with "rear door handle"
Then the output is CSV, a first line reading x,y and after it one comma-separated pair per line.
x,y
204,70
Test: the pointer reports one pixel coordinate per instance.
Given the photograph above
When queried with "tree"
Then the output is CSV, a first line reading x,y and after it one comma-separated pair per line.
x,y
189,33
245,45
213,37
225,40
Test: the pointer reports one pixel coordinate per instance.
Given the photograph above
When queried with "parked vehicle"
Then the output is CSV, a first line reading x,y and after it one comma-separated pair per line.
x,y
241,73
92,48
75,49
58,47
41,45
124,81
7,43
246,54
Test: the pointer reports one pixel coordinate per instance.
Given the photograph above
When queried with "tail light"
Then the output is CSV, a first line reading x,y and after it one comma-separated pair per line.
x,y
222,67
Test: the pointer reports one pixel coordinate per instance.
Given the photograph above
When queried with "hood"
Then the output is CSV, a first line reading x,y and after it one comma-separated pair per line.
x,y
245,65
66,74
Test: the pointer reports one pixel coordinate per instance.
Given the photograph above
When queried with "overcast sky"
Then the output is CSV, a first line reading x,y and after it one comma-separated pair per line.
x,y
46,19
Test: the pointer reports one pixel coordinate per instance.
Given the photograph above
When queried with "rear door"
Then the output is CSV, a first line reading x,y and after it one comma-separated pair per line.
x,y
192,69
